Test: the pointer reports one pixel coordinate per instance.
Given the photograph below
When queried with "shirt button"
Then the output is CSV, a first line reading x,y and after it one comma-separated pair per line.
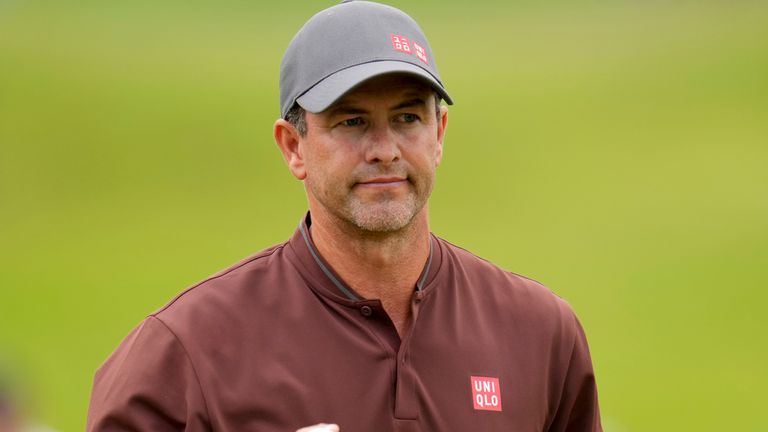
x,y
366,311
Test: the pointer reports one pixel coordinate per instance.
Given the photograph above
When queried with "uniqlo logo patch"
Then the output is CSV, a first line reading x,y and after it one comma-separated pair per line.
x,y
401,43
486,393
421,53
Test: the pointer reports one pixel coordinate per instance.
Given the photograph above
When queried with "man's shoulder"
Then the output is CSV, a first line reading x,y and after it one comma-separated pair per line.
x,y
503,287
482,267
227,287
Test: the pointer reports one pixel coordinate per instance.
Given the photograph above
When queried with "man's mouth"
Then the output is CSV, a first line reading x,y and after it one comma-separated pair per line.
x,y
383,182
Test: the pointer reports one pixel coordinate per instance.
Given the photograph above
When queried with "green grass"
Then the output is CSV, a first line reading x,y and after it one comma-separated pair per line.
x,y
616,151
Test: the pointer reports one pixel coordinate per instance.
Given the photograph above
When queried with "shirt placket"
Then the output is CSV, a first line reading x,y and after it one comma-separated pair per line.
x,y
406,411
406,403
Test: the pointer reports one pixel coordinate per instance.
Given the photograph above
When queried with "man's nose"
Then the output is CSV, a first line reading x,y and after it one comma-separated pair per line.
x,y
382,145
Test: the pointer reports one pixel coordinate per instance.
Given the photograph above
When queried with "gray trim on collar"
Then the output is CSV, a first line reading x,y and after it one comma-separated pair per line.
x,y
343,288
323,267
423,279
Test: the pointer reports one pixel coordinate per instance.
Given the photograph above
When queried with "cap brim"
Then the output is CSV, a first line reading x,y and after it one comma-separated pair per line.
x,y
323,94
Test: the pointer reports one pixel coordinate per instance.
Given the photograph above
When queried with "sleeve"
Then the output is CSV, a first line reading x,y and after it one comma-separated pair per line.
x,y
578,409
147,384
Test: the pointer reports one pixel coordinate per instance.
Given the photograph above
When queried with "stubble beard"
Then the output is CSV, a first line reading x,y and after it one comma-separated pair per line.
x,y
388,213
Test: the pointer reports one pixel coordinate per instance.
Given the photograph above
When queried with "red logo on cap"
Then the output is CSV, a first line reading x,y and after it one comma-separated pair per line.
x,y
401,43
486,393
421,53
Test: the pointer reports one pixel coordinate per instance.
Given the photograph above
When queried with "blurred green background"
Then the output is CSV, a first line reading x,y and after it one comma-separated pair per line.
x,y
614,150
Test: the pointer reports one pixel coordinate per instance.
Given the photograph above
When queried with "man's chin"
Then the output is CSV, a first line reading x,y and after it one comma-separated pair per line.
x,y
382,218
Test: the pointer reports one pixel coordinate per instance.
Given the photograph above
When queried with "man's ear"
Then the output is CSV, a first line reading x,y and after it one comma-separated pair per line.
x,y
288,140
441,125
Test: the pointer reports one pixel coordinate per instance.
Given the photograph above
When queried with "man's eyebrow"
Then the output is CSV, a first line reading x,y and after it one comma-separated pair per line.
x,y
350,108
417,101
345,109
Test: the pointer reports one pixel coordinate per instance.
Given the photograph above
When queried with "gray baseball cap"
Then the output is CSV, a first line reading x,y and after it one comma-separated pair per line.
x,y
344,45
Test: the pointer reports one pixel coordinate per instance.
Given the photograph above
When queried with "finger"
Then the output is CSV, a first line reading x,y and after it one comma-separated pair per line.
x,y
322,427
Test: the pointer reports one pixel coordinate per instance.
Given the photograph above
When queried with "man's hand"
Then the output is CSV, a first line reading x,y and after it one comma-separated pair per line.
x,y
322,427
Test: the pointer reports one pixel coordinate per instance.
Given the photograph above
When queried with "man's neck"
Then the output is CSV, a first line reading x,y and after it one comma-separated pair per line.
x,y
377,266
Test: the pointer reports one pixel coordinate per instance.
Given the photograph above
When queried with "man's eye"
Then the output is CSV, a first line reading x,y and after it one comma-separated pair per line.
x,y
408,118
357,121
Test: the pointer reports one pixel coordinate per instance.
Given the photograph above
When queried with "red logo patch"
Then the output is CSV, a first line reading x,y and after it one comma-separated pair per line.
x,y
401,43
421,53
486,393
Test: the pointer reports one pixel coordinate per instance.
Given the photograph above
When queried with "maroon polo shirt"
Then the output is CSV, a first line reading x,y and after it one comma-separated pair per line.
x,y
279,341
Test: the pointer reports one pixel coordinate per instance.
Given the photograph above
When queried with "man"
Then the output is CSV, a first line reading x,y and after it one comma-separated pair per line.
x,y
363,319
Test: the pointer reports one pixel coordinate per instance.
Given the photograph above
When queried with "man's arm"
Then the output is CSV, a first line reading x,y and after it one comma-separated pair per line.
x,y
148,384
578,410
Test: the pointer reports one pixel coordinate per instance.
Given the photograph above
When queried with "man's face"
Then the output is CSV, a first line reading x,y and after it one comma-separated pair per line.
x,y
370,159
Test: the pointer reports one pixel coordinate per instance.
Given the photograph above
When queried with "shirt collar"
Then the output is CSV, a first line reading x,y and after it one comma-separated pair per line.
x,y
326,281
